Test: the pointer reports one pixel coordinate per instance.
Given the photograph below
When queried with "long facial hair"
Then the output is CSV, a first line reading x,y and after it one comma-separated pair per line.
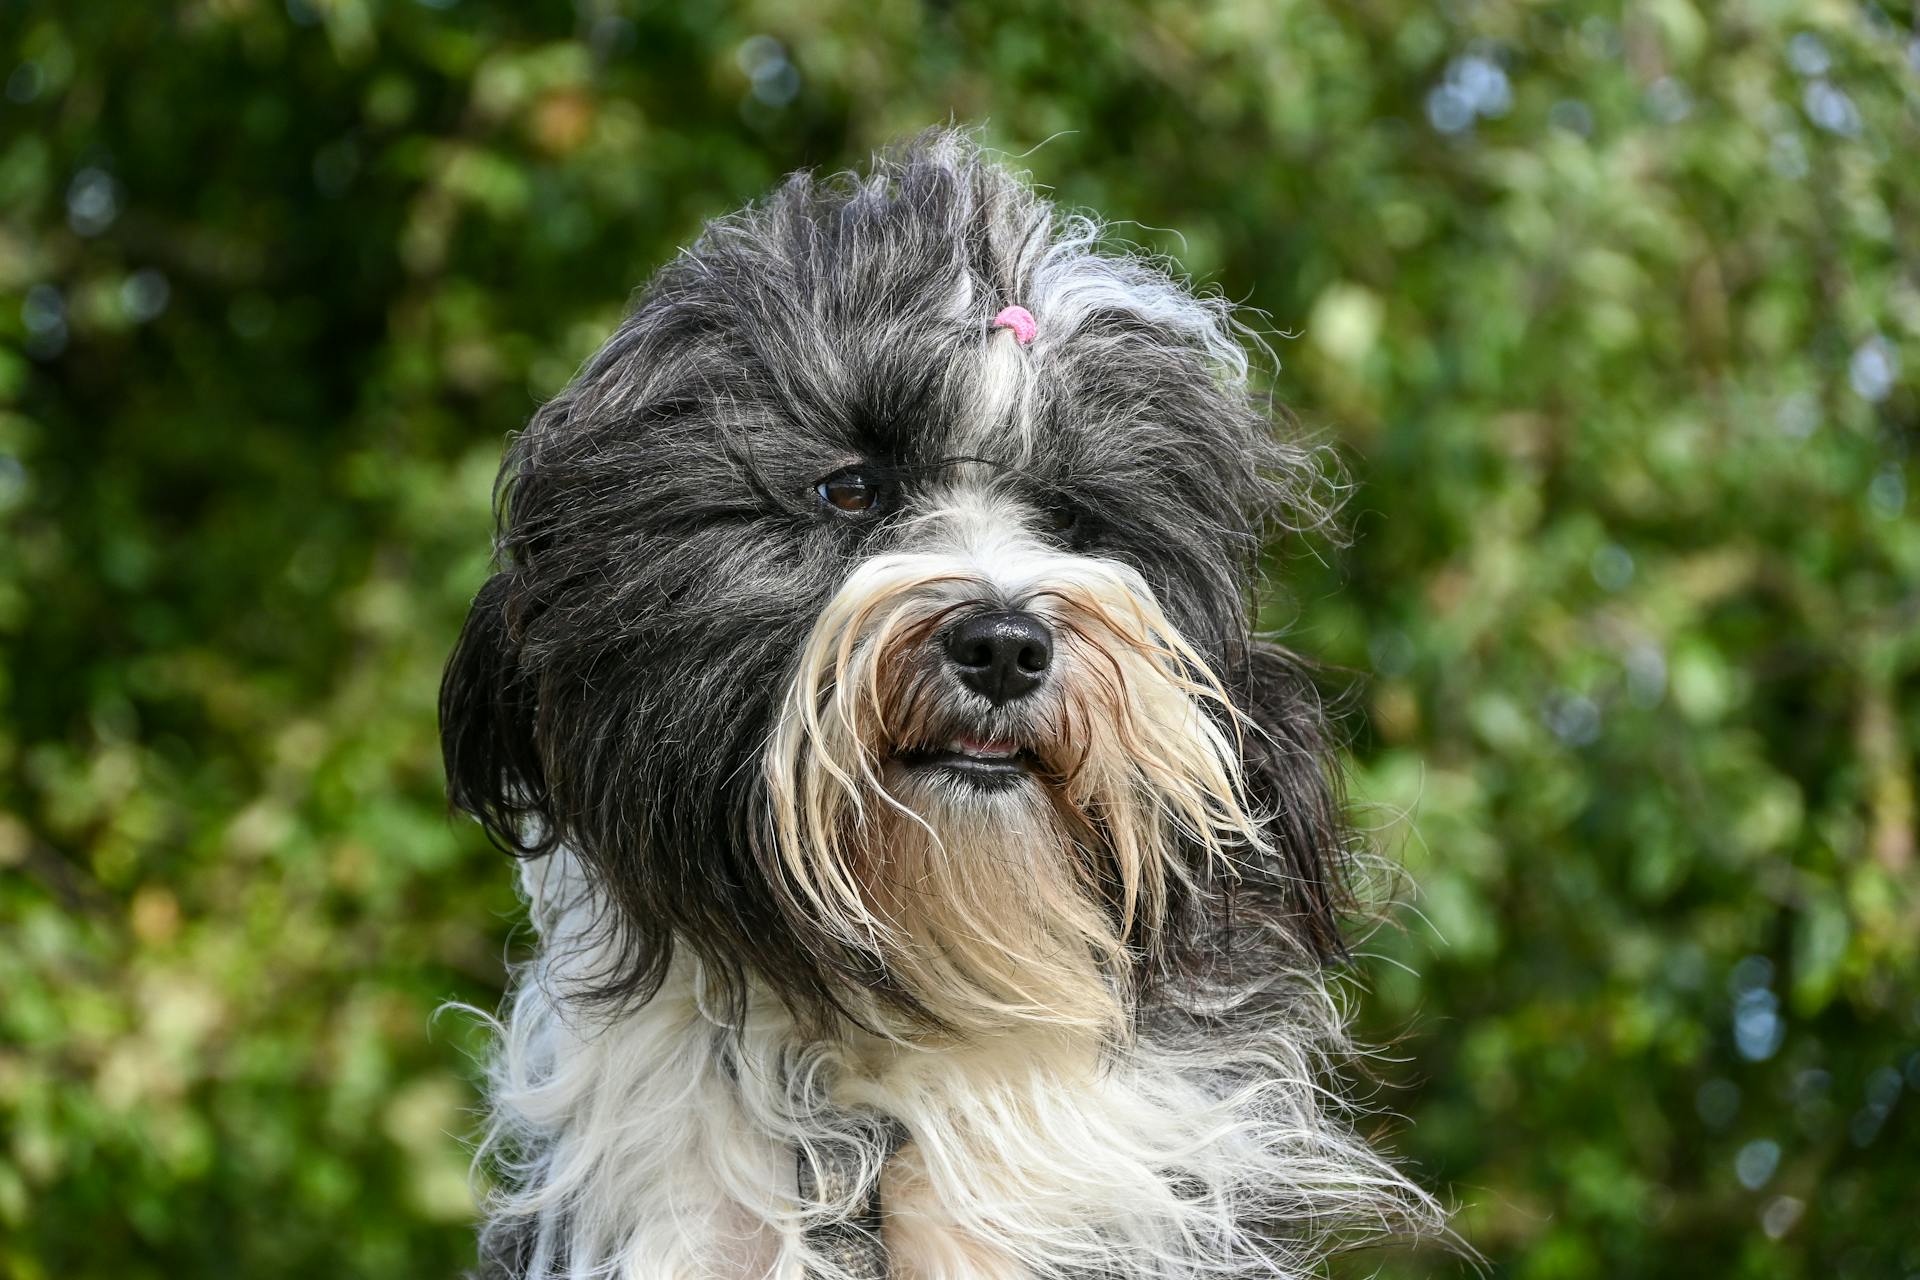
x,y
1042,901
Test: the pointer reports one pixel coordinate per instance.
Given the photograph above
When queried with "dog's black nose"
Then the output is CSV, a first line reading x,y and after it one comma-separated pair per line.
x,y
1001,656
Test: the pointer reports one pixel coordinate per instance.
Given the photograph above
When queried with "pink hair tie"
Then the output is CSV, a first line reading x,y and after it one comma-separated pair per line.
x,y
1020,320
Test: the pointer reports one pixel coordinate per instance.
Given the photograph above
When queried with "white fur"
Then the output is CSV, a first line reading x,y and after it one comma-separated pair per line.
x,y
637,1151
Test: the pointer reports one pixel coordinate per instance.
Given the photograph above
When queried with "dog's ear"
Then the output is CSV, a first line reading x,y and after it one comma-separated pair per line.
x,y
487,715
1293,778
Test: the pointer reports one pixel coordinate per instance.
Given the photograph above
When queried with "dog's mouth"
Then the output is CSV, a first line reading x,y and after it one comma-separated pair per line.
x,y
987,762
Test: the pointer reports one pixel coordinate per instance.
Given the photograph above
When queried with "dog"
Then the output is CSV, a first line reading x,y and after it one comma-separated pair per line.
x,y
934,875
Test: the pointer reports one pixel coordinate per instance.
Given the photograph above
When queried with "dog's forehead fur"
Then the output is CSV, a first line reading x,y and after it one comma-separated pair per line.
x,y
848,323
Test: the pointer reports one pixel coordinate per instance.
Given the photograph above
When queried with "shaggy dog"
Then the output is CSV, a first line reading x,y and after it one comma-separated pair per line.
x,y
933,874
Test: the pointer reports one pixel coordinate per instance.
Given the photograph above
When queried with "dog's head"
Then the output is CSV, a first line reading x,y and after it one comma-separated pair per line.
x,y
888,652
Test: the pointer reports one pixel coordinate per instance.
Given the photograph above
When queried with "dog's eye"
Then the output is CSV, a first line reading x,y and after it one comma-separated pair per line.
x,y
849,491
1059,522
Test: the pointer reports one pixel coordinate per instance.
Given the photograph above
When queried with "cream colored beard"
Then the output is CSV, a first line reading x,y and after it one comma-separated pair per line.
x,y
989,906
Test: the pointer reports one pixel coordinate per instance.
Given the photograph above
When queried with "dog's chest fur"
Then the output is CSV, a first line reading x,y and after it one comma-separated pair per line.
x,y
658,1144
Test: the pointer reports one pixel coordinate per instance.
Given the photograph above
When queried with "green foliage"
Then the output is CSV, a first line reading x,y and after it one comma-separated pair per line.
x,y
1615,312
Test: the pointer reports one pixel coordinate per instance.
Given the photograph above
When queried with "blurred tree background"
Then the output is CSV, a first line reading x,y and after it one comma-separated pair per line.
x,y
1613,308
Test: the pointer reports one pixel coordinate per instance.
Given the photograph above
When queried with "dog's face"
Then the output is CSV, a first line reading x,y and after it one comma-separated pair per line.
x,y
889,661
